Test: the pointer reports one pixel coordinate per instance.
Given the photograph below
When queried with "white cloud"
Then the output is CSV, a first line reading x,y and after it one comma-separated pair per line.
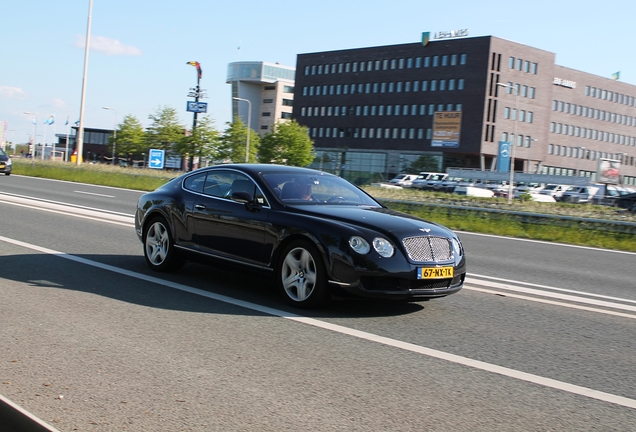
x,y
12,92
58,103
107,46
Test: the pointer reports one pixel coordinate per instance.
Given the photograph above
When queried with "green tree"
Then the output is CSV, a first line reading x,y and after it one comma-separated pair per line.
x,y
234,140
165,132
287,144
130,137
425,163
204,142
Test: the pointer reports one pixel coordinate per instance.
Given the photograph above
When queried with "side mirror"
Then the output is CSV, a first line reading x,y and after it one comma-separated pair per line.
x,y
245,198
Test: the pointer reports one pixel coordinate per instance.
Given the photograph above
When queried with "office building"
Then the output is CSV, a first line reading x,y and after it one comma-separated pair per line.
x,y
262,93
370,111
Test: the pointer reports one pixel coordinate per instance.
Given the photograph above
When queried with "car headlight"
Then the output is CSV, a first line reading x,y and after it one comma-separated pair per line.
x,y
359,245
457,247
8,162
383,247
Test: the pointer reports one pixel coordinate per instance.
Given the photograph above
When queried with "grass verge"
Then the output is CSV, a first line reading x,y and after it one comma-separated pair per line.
x,y
509,222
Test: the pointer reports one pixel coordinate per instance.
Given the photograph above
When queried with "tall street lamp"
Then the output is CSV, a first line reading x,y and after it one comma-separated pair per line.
x,y
114,131
249,117
514,143
35,128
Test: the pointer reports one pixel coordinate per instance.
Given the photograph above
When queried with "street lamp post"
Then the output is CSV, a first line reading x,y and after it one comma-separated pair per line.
x,y
249,117
35,128
114,131
513,144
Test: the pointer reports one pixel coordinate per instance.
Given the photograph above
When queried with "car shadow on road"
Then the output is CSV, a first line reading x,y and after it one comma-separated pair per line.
x,y
126,278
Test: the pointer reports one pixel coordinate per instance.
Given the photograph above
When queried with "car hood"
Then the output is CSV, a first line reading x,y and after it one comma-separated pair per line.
x,y
377,219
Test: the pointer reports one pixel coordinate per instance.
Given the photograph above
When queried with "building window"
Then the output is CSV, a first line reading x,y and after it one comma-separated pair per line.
x,y
435,61
424,85
444,60
268,100
462,59
451,84
288,102
453,60
433,85
511,64
427,61
460,84
534,68
266,114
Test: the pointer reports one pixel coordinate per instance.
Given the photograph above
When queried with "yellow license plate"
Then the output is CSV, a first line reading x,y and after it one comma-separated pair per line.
x,y
1,166
435,273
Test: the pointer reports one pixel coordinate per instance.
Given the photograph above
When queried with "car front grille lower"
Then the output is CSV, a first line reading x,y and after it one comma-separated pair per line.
x,y
371,283
428,249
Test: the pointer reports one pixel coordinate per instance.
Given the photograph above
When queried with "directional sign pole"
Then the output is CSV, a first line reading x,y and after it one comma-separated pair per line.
x,y
194,120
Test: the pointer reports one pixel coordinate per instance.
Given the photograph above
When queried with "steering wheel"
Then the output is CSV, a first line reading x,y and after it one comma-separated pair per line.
x,y
334,199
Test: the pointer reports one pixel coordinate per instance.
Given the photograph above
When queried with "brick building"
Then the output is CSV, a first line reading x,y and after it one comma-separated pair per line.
x,y
370,110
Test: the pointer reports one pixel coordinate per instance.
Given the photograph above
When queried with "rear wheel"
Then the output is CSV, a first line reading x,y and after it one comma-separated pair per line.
x,y
301,276
159,247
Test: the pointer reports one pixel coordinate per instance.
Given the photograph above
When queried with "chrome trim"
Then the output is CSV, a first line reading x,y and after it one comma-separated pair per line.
x,y
224,258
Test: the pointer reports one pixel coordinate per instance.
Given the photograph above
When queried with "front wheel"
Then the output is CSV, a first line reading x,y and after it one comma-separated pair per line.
x,y
301,276
159,247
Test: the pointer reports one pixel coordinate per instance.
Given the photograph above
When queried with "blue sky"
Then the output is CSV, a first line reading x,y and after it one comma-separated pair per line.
x,y
139,49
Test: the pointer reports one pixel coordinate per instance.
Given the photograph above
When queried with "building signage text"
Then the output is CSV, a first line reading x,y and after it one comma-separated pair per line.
x,y
451,34
564,83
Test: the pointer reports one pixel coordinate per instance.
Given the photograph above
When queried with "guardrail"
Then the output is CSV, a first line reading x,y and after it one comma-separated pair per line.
x,y
626,227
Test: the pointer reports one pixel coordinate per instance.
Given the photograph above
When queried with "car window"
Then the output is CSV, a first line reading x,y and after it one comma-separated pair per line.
x,y
221,184
195,182
316,189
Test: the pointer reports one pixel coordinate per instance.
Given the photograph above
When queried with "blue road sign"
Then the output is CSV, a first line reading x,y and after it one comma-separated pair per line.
x,y
156,158
197,107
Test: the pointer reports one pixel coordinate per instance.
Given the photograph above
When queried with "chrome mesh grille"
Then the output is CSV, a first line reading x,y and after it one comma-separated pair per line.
x,y
428,249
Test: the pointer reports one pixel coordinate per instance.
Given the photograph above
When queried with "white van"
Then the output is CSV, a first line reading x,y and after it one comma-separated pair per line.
x,y
554,190
404,180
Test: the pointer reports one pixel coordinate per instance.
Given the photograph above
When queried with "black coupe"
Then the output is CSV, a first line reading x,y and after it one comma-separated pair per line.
x,y
317,233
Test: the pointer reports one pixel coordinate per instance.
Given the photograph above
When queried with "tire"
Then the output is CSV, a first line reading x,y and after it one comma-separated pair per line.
x,y
301,276
159,248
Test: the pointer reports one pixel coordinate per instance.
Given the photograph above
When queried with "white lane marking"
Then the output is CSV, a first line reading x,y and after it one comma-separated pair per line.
x,y
541,293
551,302
547,243
22,411
96,194
551,288
81,212
441,355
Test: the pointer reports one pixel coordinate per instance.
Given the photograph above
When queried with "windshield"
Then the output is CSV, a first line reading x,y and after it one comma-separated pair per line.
x,y
319,188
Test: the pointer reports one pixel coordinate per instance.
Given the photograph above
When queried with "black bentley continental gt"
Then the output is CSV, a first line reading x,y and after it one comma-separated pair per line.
x,y
318,234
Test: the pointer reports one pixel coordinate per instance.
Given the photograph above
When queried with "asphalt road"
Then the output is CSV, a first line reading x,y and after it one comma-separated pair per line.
x,y
540,339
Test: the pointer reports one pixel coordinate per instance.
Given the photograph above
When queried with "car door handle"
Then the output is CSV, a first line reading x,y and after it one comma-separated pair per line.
x,y
199,207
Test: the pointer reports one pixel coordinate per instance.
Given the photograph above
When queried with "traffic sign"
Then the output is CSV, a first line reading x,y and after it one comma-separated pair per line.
x,y
156,158
197,107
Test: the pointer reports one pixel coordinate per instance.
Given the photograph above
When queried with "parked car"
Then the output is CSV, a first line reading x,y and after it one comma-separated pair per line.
x,y
579,194
474,191
528,188
5,163
316,233
421,182
404,180
554,190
